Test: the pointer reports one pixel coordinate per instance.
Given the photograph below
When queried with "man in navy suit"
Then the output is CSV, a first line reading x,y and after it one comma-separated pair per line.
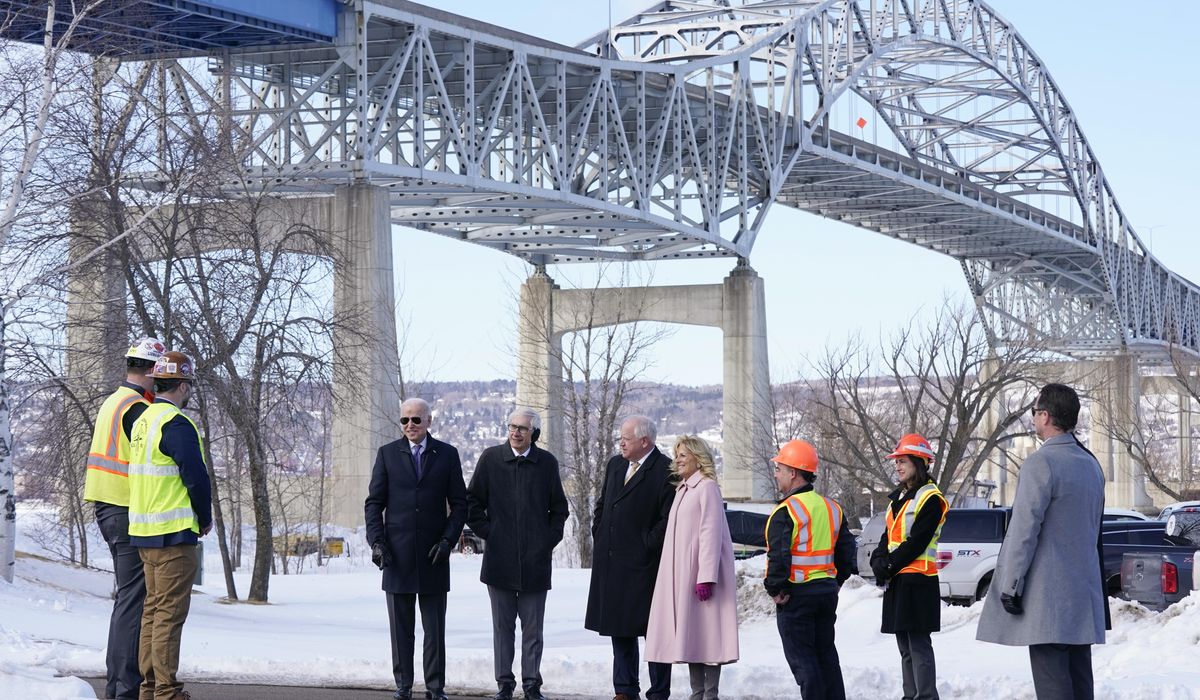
x,y
416,506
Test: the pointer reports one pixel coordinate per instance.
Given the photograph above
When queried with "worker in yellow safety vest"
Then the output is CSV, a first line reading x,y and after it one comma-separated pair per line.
x,y
906,562
106,485
810,552
170,508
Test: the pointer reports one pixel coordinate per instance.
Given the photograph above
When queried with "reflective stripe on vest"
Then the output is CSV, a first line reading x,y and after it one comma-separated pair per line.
x,y
108,457
159,503
816,521
898,528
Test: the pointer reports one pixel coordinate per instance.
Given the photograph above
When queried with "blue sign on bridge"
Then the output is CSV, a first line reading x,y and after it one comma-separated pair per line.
x,y
148,27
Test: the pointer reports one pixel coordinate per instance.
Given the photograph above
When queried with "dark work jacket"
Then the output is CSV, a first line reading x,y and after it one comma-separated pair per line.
x,y
779,555
628,526
911,602
518,506
410,516
181,443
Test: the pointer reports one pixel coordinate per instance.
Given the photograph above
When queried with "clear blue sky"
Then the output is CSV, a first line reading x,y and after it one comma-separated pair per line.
x,y
1124,68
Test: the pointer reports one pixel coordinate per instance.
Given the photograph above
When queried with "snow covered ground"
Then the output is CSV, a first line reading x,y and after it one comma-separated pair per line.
x,y
328,626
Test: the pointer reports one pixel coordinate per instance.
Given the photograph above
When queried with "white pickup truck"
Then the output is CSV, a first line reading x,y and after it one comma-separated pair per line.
x,y
967,550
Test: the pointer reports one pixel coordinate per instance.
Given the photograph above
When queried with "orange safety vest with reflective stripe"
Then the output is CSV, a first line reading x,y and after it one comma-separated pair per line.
x,y
107,478
816,521
900,525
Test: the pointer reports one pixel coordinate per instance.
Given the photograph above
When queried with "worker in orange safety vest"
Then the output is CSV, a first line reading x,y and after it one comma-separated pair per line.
x,y
810,552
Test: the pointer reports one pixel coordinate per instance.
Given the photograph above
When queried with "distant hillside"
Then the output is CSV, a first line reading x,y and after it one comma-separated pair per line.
x,y
472,415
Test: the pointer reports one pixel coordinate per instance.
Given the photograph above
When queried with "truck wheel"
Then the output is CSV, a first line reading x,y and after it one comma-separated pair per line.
x,y
468,548
984,584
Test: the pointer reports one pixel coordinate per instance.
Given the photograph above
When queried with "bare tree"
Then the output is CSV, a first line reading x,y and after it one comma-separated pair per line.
x,y
33,84
1157,431
942,379
598,339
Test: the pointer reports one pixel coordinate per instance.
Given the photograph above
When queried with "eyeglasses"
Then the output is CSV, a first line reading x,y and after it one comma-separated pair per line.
x,y
416,420
519,429
1035,410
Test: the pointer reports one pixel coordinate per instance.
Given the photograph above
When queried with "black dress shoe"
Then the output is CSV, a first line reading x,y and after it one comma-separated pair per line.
x,y
402,695
534,695
503,695
435,695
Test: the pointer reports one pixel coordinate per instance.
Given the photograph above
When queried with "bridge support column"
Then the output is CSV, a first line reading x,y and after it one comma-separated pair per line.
x,y
1117,390
97,327
539,357
737,306
1184,403
996,468
746,428
365,359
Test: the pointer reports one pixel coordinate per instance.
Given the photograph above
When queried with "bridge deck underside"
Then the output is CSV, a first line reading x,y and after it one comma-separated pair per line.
x,y
539,229
890,194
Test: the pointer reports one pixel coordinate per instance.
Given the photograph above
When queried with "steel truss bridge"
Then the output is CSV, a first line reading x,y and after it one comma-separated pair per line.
x,y
674,133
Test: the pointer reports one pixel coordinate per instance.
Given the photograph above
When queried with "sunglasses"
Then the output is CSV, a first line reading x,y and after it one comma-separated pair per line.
x,y
416,420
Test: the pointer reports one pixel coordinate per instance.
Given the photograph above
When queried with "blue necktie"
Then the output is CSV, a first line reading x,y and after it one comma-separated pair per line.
x,y
416,454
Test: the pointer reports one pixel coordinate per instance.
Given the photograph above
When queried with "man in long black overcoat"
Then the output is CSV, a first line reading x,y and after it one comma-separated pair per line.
x,y
628,526
517,505
415,509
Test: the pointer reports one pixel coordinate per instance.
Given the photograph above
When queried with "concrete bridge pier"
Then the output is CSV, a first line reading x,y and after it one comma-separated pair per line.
x,y
366,389
1115,389
98,332
737,306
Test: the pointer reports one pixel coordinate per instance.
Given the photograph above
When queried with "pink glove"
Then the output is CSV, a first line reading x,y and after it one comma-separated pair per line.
x,y
704,591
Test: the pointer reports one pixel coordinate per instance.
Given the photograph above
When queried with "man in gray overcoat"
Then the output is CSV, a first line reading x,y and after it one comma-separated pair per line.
x,y
1048,592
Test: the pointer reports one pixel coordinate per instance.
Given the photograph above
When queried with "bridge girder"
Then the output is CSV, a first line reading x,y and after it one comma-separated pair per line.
x,y
673,134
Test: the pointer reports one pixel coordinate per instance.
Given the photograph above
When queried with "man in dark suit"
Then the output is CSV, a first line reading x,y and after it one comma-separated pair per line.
x,y
516,503
416,506
627,534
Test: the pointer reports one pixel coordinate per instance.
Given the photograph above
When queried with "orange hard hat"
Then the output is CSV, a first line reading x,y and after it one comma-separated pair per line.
x,y
174,365
913,445
798,454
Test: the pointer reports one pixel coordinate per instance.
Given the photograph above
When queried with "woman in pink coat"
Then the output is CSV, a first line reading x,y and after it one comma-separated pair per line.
x,y
693,616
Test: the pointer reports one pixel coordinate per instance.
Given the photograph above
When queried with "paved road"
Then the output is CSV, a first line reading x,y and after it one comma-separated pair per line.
x,y
219,691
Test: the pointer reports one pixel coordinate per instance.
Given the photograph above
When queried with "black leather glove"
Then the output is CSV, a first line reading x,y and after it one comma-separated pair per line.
x,y
1012,604
380,556
882,573
439,553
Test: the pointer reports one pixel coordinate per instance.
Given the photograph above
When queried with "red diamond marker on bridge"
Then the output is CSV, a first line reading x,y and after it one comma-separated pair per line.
x,y
861,122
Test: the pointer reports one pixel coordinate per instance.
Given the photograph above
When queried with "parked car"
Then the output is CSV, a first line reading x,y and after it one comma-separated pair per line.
x,y
1167,574
967,550
1118,514
469,542
1122,537
1166,512
970,545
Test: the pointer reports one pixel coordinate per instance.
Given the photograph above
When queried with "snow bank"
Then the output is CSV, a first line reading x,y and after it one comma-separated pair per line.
x,y
329,627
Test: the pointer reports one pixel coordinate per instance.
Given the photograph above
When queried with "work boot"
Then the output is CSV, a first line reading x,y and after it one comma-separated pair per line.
x,y
402,694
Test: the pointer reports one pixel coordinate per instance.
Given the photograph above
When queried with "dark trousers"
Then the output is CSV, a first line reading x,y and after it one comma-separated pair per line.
x,y
1062,671
805,625
625,671
402,621
917,665
124,627
507,606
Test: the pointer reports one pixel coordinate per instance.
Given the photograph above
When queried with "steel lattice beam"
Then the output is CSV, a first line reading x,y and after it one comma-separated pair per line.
x,y
674,133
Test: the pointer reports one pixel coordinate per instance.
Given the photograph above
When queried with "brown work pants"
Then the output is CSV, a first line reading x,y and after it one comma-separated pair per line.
x,y
169,575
